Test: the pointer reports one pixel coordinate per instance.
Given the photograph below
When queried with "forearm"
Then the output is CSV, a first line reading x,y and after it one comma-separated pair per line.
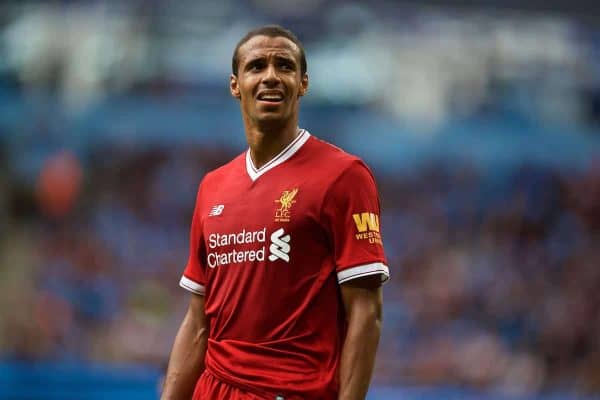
x,y
363,303
186,362
358,356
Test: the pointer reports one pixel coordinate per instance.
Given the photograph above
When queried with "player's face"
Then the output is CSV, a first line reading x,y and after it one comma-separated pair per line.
x,y
269,82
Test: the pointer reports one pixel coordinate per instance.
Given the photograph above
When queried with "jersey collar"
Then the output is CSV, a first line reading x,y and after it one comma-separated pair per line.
x,y
285,154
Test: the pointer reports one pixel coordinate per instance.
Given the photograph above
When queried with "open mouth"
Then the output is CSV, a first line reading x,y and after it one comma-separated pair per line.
x,y
270,97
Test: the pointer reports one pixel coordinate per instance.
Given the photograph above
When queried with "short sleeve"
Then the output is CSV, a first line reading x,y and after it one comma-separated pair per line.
x,y
351,213
193,278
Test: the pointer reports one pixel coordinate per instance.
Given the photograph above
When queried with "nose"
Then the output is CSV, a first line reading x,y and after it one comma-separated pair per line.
x,y
270,77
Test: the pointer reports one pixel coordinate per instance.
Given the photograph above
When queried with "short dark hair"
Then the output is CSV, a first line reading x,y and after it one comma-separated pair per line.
x,y
270,31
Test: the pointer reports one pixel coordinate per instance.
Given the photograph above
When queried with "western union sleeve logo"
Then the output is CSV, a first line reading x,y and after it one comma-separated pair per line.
x,y
367,226
366,221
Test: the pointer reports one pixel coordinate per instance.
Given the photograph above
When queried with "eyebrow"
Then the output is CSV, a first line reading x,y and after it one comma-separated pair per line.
x,y
278,57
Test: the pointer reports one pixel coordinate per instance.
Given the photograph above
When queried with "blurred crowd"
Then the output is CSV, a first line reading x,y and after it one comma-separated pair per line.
x,y
494,274
496,277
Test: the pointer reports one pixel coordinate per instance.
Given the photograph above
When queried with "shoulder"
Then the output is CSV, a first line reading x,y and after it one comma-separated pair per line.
x,y
226,171
336,160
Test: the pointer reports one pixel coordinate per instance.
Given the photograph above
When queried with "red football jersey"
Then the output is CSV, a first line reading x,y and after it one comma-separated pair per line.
x,y
269,248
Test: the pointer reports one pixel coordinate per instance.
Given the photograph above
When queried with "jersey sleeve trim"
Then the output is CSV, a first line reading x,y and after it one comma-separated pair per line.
x,y
364,270
192,286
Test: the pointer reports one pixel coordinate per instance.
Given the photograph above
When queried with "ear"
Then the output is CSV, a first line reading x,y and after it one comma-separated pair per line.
x,y
303,85
234,87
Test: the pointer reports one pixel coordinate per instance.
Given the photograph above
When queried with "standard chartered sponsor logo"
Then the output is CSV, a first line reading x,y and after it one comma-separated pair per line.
x,y
224,239
279,246
216,240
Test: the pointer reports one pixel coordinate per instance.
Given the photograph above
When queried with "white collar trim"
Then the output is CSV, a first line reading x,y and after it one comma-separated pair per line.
x,y
285,154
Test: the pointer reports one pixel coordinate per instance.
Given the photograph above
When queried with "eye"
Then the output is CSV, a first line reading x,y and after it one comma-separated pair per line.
x,y
286,66
255,66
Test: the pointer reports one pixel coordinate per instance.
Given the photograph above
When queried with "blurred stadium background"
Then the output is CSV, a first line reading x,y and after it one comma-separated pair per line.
x,y
481,124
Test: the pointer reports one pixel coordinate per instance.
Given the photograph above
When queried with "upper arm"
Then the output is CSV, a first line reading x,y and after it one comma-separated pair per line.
x,y
193,278
351,215
196,305
196,314
363,297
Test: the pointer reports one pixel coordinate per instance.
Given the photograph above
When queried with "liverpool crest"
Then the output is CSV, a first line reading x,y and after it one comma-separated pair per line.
x,y
283,213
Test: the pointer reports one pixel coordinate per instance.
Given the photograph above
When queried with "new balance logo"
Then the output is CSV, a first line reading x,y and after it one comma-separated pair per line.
x,y
216,210
280,247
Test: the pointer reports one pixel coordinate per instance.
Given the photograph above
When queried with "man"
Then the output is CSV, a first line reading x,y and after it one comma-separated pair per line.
x,y
286,260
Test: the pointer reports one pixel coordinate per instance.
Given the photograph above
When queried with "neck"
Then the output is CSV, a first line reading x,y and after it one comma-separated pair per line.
x,y
266,141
